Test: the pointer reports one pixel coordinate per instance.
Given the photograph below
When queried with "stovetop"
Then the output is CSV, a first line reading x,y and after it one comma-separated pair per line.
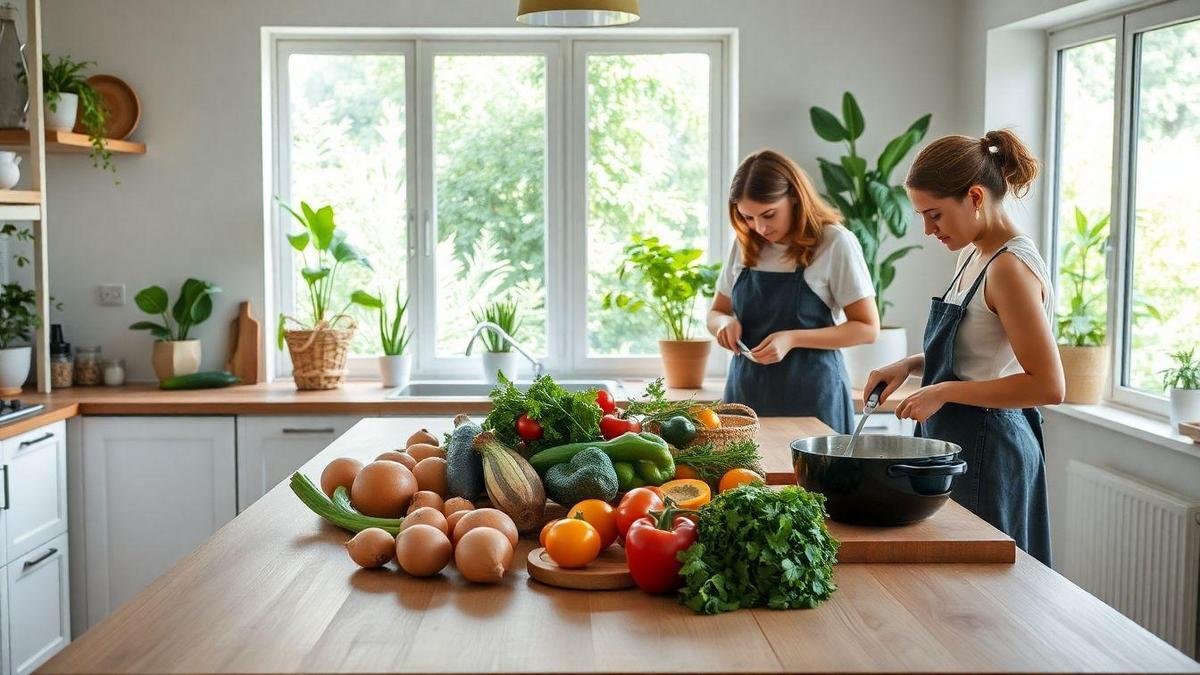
x,y
14,410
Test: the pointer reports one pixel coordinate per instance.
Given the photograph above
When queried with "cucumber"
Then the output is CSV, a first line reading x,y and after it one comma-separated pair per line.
x,y
211,379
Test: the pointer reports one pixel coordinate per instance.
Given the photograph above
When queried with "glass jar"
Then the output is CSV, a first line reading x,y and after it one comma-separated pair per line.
x,y
62,369
114,372
87,367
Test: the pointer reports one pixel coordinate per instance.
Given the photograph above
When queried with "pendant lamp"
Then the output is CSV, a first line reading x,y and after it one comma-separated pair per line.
x,y
577,13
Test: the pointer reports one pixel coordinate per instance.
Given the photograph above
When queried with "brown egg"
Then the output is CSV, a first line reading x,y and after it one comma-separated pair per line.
x,y
422,550
457,504
383,489
431,474
483,555
425,516
373,547
452,520
422,436
493,518
339,472
425,498
398,456
420,451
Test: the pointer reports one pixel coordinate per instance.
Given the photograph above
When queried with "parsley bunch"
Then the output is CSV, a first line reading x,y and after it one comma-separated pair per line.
x,y
566,417
760,547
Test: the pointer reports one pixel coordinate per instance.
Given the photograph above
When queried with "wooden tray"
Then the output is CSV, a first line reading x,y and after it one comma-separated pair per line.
x,y
1191,430
609,572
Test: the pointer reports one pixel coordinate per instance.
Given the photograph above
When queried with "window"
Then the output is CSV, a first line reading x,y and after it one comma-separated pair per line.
x,y
472,168
1127,260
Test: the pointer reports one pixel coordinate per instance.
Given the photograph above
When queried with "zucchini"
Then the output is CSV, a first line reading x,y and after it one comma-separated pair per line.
x,y
209,379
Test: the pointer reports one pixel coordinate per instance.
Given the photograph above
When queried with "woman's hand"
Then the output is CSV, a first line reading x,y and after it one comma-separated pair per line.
x,y
922,403
729,333
893,374
773,348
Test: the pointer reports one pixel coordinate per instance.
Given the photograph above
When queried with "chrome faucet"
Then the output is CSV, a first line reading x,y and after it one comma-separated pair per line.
x,y
488,325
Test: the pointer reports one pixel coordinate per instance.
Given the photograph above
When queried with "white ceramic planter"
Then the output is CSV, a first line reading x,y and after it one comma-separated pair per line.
x,y
10,173
1185,407
62,118
180,357
14,367
889,347
495,362
395,370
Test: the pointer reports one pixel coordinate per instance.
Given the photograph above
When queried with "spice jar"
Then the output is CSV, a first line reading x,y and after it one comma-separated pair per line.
x,y
62,366
114,372
87,366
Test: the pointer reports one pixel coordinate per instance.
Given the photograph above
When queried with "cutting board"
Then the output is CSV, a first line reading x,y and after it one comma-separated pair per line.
x,y
608,572
245,345
1191,430
952,535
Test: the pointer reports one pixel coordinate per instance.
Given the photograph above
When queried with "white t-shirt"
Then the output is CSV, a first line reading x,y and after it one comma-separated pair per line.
x,y
837,274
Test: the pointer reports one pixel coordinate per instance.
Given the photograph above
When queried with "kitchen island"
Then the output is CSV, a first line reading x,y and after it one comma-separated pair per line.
x,y
274,591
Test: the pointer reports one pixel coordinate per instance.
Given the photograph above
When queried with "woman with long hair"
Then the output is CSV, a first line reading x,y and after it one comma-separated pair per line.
x,y
794,290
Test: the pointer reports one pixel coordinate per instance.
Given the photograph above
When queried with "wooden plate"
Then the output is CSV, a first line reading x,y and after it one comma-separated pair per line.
x,y
124,108
609,572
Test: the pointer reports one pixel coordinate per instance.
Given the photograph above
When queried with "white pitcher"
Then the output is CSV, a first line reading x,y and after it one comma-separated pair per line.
x,y
9,172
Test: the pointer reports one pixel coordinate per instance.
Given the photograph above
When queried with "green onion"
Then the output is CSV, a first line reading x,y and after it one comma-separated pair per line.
x,y
339,512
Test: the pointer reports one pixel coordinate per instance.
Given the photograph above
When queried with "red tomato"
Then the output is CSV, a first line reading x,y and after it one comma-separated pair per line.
x,y
528,429
612,426
605,400
637,503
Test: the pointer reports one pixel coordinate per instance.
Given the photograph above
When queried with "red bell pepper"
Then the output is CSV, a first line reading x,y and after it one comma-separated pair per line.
x,y
653,545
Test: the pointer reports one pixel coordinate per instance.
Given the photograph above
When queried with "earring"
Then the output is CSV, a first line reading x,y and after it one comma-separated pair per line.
x,y
976,214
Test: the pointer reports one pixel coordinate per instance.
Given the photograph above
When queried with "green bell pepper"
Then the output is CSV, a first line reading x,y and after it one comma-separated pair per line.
x,y
645,455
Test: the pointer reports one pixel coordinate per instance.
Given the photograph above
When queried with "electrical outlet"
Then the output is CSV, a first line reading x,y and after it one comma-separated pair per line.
x,y
112,295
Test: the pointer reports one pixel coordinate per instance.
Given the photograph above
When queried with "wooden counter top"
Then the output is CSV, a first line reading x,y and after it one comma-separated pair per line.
x,y
274,591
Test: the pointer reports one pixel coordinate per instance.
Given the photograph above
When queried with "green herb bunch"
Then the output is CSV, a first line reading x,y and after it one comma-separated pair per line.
x,y
712,463
654,406
760,547
566,417
1185,374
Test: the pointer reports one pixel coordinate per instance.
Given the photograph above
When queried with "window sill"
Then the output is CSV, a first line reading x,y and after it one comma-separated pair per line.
x,y
1142,426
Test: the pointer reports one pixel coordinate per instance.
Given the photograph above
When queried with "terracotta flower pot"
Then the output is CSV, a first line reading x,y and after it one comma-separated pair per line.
x,y
684,362
1086,371
180,357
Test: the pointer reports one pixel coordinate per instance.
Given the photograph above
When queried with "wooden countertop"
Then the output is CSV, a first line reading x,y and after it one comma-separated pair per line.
x,y
274,591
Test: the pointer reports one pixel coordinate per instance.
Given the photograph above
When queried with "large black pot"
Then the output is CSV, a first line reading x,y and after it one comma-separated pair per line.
x,y
890,480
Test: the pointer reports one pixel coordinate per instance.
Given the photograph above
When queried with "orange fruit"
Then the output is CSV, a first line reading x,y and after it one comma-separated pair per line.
x,y
735,477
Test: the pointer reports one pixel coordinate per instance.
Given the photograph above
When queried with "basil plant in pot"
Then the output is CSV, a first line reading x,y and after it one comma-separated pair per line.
x,y
174,352
18,318
395,366
1183,382
320,343
676,278
873,209
498,355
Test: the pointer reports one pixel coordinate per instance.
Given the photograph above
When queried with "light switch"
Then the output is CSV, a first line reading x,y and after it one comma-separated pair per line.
x,y
112,295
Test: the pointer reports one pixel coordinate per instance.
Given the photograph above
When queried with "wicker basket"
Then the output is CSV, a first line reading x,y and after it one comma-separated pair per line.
x,y
319,356
738,423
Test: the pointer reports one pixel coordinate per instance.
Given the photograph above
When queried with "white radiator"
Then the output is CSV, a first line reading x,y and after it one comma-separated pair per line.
x,y
1137,548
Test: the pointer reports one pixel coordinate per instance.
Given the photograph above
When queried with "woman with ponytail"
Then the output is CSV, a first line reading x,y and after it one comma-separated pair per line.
x,y
989,357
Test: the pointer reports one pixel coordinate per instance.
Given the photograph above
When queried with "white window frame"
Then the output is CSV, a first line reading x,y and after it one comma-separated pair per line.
x,y
1126,29
565,208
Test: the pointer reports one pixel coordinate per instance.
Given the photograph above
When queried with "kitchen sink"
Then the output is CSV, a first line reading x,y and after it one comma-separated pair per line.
x,y
468,388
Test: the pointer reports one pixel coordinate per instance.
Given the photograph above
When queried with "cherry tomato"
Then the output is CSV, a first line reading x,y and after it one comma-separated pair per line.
x,y
528,429
735,477
604,399
612,426
572,543
601,515
637,503
545,529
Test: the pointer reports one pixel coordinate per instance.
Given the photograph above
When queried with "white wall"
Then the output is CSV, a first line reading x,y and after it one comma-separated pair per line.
x,y
192,206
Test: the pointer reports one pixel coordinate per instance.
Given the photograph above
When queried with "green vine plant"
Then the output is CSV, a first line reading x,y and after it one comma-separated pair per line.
x,y
1185,374
676,279
66,76
504,314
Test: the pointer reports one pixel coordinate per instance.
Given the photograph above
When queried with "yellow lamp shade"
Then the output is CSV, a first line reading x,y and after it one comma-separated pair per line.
x,y
577,13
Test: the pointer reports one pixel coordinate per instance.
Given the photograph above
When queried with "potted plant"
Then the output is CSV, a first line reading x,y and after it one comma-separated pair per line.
x,y
174,352
873,209
68,96
394,366
675,278
18,316
498,355
1183,381
1081,322
319,347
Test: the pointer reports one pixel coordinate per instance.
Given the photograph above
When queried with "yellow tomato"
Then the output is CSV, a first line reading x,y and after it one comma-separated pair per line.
x,y
601,515
572,543
707,417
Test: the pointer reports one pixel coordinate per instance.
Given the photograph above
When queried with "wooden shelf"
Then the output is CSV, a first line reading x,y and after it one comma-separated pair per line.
x,y
20,197
67,142
20,204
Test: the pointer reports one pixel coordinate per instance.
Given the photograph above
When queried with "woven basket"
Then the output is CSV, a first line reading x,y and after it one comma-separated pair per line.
x,y
319,356
738,423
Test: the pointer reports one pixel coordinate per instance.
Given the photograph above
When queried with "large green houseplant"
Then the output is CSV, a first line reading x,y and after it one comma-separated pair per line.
x,y
875,210
1081,321
676,279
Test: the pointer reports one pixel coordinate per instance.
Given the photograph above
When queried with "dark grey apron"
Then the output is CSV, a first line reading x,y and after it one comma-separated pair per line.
x,y
1005,483
807,382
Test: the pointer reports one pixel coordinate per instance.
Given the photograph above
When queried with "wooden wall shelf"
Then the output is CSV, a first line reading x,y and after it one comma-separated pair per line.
x,y
20,204
66,142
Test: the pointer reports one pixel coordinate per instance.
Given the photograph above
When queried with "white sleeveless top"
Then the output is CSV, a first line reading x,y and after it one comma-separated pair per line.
x,y
982,350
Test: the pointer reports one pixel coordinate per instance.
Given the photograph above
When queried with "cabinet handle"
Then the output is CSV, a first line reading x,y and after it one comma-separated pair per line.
x,y
6,504
302,430
34,441
38,560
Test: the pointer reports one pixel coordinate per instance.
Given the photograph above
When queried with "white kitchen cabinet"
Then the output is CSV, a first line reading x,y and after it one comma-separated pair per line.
x,y
271,447
35,482
153,489
4,649
39,623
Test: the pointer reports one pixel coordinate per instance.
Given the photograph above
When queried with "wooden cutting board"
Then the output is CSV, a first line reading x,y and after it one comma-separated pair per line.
x,y
609,572
952,535
1191,430
245,345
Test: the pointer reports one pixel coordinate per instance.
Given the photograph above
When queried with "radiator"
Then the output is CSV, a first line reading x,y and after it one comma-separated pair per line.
x,y
1137,548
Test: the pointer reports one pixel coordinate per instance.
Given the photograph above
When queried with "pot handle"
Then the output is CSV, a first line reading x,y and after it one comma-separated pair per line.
x,y
927,470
